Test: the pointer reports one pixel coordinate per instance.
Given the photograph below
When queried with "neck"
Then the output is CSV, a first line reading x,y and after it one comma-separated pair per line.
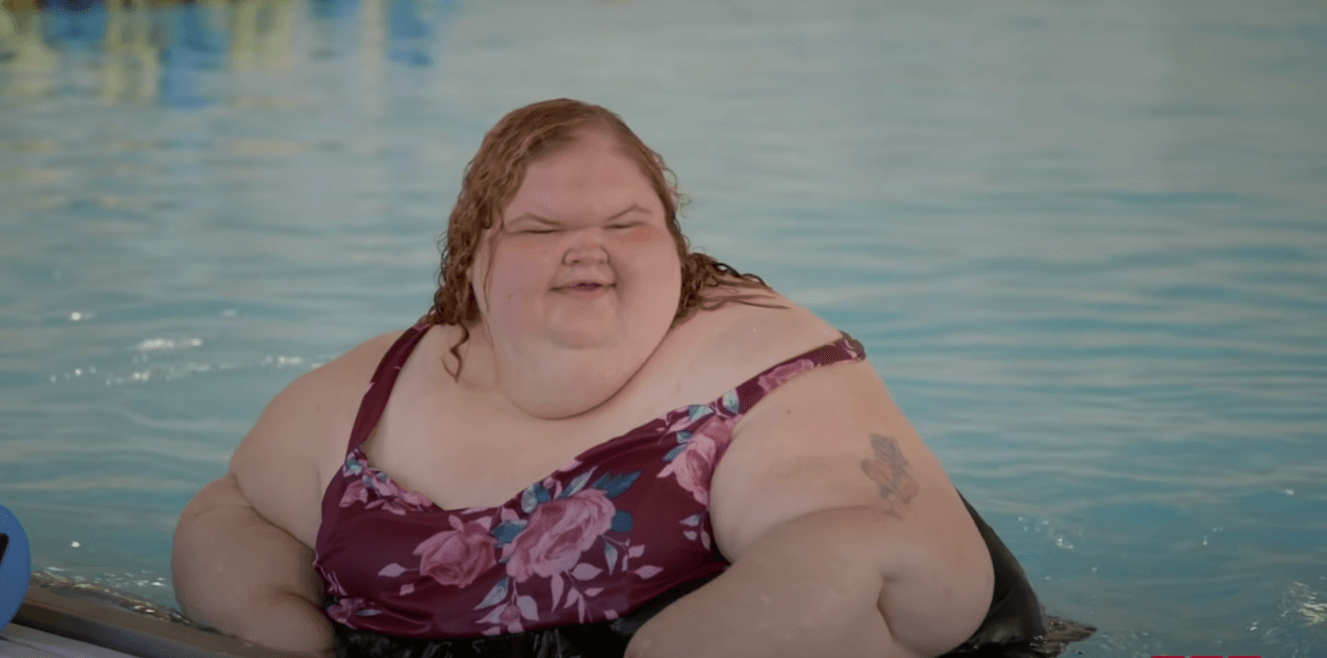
x,y
542,381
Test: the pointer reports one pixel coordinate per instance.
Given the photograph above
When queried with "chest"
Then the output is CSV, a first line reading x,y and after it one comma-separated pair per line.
x,y
461,452
586,543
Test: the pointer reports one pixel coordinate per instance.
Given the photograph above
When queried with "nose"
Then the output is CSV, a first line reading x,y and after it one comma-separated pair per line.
x,y
586,248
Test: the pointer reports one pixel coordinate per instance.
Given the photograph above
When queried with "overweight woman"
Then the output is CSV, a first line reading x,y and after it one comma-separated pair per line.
x,y
596,442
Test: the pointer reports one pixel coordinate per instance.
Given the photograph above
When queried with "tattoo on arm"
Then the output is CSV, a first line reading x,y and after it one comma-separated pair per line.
x,y
890,470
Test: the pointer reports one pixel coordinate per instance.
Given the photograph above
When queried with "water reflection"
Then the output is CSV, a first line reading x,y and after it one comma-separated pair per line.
x,y
192,54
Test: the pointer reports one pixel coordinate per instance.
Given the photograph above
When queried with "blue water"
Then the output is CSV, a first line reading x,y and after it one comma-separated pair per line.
x,y
1085,243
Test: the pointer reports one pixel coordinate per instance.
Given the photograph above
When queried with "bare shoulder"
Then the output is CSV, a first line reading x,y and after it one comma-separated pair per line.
x,y
763,329
279,465
833,439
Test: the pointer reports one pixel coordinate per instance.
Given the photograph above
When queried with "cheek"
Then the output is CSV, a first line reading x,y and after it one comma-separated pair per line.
x,y
648,248
517,273
641,235
653,269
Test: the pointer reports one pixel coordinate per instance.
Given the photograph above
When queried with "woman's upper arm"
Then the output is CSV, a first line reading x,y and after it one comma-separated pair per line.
x,y
832,438
275,466
280,465
828,438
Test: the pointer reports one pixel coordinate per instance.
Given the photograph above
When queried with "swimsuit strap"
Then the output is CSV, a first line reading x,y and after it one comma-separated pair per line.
x,y
741,398
380,386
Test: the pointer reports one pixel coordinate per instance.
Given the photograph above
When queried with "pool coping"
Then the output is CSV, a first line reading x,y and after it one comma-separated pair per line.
x,y
137,635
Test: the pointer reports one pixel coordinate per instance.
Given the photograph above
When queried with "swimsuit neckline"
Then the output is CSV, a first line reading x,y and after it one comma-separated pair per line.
x,y
389,368
574,462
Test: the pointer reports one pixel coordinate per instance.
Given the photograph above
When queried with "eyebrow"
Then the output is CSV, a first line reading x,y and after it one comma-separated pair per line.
x,y
635,207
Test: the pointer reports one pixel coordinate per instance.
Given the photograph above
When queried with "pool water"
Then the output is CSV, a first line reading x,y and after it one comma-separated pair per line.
x,y
1085,243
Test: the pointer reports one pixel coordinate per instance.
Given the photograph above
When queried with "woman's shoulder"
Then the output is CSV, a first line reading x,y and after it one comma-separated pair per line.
x,y
281,464
768,324
346,375
741,339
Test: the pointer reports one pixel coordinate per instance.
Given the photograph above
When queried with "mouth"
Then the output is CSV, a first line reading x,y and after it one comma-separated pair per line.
x,y
584,287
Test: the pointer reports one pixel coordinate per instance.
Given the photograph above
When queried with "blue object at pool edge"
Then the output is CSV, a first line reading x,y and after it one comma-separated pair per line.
x,y
15,566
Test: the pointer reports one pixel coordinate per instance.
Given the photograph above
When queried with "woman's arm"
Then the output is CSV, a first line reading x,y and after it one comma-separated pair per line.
x,y
846,535
806,588
235,571
243,557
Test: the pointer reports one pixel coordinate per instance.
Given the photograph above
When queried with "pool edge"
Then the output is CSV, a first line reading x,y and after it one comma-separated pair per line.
x,y
120,630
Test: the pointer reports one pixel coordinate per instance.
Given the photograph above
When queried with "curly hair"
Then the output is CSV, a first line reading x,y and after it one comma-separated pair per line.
x,y
494,176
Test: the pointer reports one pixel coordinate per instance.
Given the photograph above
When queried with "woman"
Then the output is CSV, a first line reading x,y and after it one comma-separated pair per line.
x,y
696,443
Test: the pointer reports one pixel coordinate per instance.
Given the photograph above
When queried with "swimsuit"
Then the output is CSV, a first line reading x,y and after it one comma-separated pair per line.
x,y
574,564
617,526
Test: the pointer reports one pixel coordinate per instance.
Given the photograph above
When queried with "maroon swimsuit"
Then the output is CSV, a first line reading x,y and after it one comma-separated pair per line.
x,y
618,525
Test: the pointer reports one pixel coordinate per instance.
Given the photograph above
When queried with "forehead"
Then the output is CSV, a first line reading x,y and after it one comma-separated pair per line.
x,y
591,174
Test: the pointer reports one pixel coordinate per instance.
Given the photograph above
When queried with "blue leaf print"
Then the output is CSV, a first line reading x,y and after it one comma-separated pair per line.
x,y
610,554
683,436
672,454
495,595
615,485
577,484
528,501
508,530
541,493
730,400
694,519
622,521
698,411
353,466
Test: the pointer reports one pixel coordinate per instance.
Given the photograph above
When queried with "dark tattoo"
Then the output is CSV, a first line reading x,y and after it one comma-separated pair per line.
x,y
890,470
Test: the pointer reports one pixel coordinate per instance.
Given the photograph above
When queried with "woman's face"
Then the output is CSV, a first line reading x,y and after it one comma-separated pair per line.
x,y
582,259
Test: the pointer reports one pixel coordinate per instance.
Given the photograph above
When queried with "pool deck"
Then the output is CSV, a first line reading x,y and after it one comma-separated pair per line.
x,y
22,642
57,625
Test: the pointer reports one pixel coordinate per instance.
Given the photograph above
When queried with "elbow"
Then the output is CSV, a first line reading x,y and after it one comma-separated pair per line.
x,y
939,606
196,567
971,603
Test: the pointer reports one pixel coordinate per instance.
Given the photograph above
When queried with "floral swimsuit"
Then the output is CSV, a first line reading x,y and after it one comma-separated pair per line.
x,y
622,523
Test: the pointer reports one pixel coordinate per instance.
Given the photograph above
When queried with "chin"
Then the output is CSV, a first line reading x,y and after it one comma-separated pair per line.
x,y
586,338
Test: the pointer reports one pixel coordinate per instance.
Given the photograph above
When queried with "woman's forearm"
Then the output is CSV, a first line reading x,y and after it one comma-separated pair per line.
x,y
818,585
288,622
235,571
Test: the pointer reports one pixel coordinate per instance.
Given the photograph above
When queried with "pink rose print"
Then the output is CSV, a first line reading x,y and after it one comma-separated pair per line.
x,y
695,464
387,494
558,532
355,491
508,616
383,486
407,501
772,379
456,557
415,498
511,618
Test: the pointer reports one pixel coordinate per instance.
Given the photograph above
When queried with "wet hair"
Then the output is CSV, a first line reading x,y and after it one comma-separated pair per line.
x,y
495,175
